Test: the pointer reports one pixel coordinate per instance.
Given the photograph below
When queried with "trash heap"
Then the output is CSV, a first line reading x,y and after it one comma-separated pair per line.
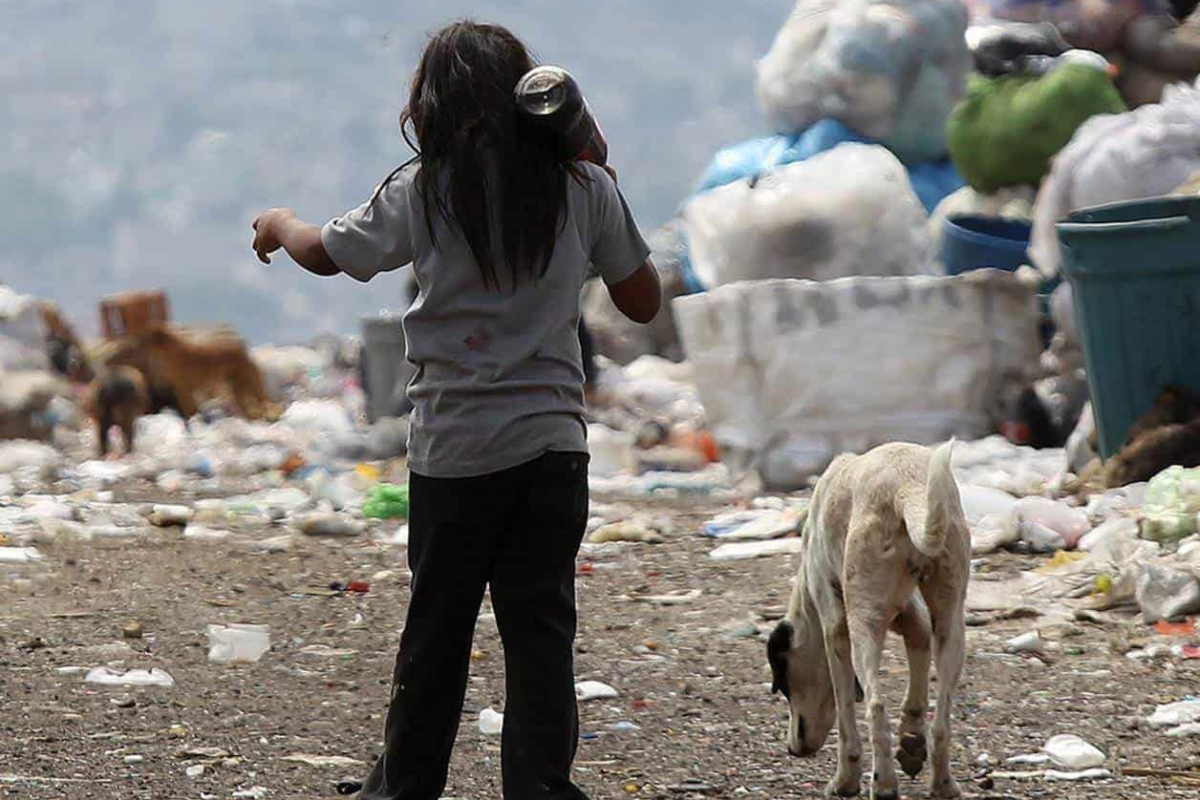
x,y
897,230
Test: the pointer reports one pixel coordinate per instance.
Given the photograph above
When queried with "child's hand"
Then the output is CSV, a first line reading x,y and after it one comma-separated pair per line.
x,y
268,231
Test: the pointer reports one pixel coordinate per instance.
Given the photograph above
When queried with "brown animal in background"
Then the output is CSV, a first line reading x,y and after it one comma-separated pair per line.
x,y
117,396
1166,435
203,370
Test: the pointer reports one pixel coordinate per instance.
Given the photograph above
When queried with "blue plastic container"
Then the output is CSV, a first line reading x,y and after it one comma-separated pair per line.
x,y
975,242
1135,272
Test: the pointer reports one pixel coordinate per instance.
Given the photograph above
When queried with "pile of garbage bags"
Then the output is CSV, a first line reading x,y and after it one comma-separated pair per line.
x,y
848,211
1143,153
890,69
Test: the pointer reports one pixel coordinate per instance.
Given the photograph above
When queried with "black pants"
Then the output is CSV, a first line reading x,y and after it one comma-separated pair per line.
x,y
517,531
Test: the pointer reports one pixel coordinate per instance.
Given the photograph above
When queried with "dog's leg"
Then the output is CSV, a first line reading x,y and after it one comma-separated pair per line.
x,y
867,637
949,644
913,625
848,781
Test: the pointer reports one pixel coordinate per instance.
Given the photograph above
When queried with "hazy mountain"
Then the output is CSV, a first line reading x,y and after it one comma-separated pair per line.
x,y
138,137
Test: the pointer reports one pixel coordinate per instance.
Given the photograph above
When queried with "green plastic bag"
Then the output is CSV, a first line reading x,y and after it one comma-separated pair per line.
x,y
1007,129
1171,504
386,501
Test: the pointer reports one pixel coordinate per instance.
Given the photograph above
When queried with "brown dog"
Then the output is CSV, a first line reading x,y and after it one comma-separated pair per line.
x,y
198,370
116,396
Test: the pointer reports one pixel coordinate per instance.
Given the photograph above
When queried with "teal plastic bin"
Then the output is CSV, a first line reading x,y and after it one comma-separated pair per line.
x,y
1135,271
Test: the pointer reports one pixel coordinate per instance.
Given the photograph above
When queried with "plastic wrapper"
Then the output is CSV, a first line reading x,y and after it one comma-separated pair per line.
x,y
781,365
890,69
849,211
1144,153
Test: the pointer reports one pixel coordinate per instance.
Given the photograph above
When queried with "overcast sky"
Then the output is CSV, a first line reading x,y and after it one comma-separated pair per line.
x,y
140,136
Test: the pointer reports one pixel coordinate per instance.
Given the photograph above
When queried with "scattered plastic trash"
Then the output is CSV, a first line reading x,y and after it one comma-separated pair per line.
x,y
238,642
329,525
1047,525
1172,715
594,690
201,533
194,771
624,727
491,723
104,676
1166,594
1171,504
629,531
1073,753
253,793
1030,642
757,524
164,516
19,555
386,501
737,551
680,598
322,762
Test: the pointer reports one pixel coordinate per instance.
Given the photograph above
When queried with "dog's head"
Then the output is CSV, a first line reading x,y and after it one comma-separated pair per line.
x,y
800,672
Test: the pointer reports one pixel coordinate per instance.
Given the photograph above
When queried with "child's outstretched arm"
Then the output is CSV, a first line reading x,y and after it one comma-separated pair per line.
x,y
280,228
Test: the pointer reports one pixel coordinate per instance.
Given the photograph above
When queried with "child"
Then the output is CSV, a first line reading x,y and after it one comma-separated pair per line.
x,y
501,227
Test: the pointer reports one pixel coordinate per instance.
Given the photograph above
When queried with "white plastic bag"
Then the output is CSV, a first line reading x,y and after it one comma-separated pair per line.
x,y
810,370
238,642
891,69
1144,153
848,211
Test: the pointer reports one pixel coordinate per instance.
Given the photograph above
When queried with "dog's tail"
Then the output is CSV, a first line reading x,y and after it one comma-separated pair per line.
x,y
929,518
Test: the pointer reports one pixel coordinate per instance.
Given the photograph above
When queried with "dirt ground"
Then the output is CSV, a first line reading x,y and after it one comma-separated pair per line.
x,y
692,677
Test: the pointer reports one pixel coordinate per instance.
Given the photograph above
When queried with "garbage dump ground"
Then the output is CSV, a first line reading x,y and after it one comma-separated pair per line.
x,y
676,632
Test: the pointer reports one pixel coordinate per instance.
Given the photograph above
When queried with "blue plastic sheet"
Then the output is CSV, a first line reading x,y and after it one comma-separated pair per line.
x,y
933,181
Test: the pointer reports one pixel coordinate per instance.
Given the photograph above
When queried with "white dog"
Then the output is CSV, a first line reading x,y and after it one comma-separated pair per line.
x,y
886,545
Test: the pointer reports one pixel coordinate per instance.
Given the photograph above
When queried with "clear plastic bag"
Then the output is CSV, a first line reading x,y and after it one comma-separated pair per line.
x,y
890,69
848,211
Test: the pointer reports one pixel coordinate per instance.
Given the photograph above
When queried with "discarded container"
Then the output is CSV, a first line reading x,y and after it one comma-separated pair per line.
x,y
132,313
384,365
238,642
1135,315
170,516
977,242
551,97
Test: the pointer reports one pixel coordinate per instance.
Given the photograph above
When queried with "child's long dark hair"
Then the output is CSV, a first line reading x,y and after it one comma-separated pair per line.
x,y
482,165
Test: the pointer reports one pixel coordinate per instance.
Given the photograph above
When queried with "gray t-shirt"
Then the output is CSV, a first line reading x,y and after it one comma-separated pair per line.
x,y
499,377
